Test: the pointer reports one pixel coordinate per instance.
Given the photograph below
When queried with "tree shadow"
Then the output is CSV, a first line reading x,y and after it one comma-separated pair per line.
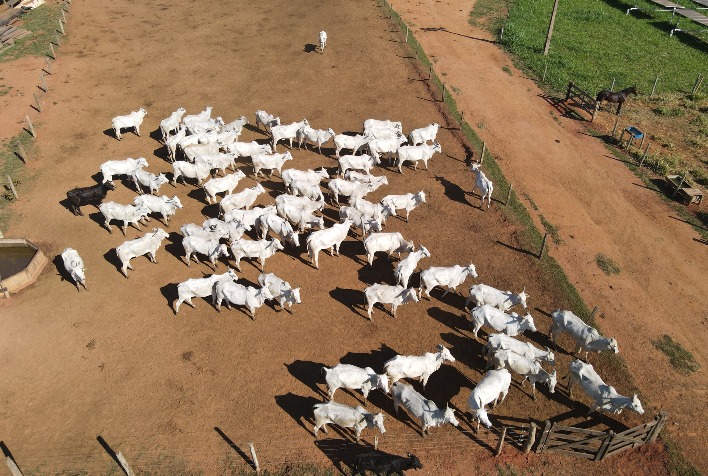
x,y
299,408
309,48
452,191
352,298
238,450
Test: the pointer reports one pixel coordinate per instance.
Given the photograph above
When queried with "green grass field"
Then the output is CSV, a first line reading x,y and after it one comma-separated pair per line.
x,y
43,22
594,41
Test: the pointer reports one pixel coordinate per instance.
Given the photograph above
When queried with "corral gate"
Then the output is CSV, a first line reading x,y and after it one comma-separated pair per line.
x,y
582,99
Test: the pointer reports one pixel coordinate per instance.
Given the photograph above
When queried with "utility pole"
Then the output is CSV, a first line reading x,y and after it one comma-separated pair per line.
x,y
550,28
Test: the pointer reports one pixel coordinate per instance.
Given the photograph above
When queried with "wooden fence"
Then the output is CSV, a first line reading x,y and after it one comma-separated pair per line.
x,y
581,99
597,445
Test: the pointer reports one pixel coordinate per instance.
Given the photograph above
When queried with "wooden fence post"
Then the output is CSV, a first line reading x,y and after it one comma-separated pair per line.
x,y
51,50
644,156
484,149
12,187
531,439
31,128
61,28
406,33
500,444
612,88
660,422
14,469
376,442
543,245
63,15
600,455
545,69
21,151
614,129
36,99
43,84
544,436
653,88
124,464
594,313
443,93
697,84
569,90
430,71
254,457
47,66
508,195
678,187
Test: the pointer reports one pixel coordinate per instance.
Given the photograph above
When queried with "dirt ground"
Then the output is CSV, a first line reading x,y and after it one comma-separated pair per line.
x,y
114,367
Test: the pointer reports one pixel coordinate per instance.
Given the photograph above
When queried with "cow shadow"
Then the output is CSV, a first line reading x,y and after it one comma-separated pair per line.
x,y
352,298
58,263
351,249
169,292
452,191
156,135
309,48
453,320
445,384
342,452
112,257
466,350
299,408
310,374
174,246
199,195
110,133
376,274
162,153
453,298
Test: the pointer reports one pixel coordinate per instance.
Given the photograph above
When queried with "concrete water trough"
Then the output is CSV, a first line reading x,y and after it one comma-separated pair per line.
x,y
21,263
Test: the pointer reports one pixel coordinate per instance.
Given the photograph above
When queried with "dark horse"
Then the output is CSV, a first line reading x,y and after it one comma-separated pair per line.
x,y
618,97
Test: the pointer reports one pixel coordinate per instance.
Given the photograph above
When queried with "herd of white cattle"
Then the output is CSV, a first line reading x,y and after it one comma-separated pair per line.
x,y
199,147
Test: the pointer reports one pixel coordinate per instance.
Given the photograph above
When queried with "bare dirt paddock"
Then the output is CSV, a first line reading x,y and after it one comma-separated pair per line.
x,y
172,392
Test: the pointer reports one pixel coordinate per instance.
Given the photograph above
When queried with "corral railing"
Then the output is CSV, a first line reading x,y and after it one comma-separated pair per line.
x,y
597,445
581,99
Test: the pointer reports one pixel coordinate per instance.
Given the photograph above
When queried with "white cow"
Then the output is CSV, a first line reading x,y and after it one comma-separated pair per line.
x,y
387,145
419,367
147,244
171,123
360,219
586,337
307,189
191,152
200,287
510,324
209,125
357,162
217,161
163,205
232,230
483,294
407,266
301,202
416,153
287,131
354,378
382,124
280,227
142,178
531,369
424,134
190,119
376,181
316,136
243,199
449,277
311,176
485,186
128,214
268,120
172,142
425,411
197,171
247,217
346,417
346,188
248,149
385,294
222,184
300,215
493,384
377,211
605,397
281,290
323,41
239,295
328,238
270,162
261,249
134,119
212,232
121,167
74,265
236,125
386,242
505,342
409,202
210,247
342,141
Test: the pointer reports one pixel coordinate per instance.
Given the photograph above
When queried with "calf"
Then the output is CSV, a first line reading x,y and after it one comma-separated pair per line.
x,y
346,188
171,123
529,368
209,247
385,294
195,118
386,242
605,397
316,136
268,120
281,290
288,131
243,199
128,214
407,266
222,184
485,186
163,205
354,143
236,125
586,337
510,324
148,244
74,265
346,417
493,384
134,119
261,249
239,295
270,162
142,178
417,367
279,226
482,294
380,463
172,142
121,167
232,230
449,277
408,201
87,195
328,238
357,162
211,232
424,134
425,411
416,153
200,287
218,161
354,378
209,125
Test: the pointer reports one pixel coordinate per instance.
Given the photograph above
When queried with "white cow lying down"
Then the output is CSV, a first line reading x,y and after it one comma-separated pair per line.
x,y
346,417
605,397
200,287
74,265
354,378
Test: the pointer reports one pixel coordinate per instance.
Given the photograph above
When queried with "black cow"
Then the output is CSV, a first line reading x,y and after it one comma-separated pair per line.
x,y
380,462
87,195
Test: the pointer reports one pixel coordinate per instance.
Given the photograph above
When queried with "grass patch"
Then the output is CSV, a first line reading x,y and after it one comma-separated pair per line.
x,y
680,358
530,200
43,23
507,70
551,229
606,264
10,164
298,469
669,111
679,465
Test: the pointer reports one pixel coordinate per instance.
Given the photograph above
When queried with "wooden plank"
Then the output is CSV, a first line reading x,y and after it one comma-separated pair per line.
x,y
573,453
544,437
618,449
576,447
579,430
620,440
573,438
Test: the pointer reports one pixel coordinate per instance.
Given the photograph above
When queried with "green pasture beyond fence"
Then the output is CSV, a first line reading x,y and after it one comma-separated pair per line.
x,y
595,41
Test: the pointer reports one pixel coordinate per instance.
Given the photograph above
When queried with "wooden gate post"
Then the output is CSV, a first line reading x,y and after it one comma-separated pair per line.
x,y
12,187
31,128
544,437
500,444
570,89
660,422
124,464
254,457
484,149
600,455
21,151
594,313
532,438
14,469
508,195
